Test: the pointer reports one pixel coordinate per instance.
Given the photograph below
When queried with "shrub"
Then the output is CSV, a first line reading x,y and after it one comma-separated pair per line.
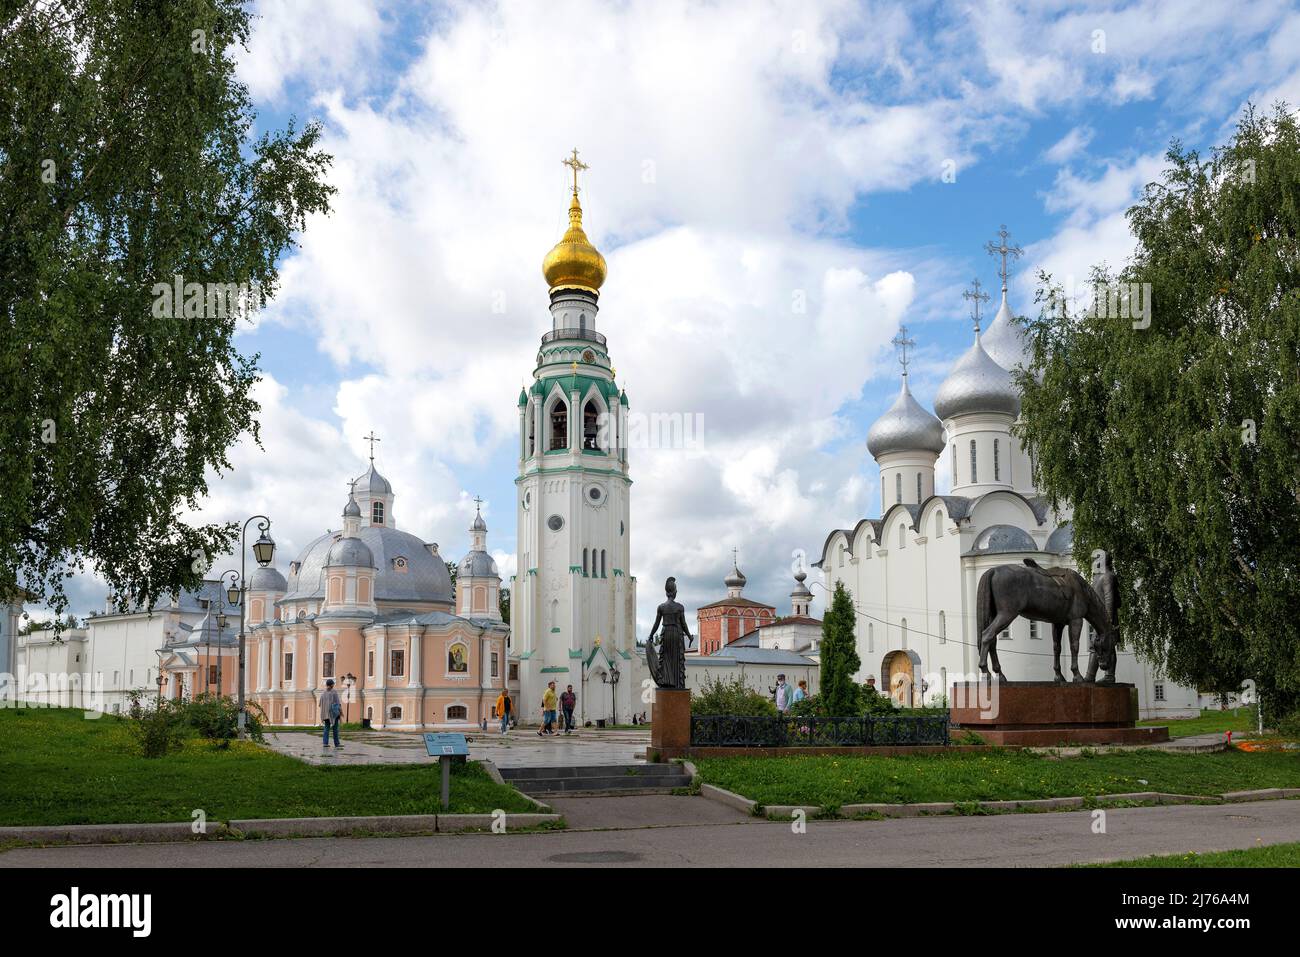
x,y
216,717
1289,727
158,730
730,696
871,701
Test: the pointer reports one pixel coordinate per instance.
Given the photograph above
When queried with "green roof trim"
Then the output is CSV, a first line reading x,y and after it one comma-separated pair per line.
x,y
556,670
575,652
555,631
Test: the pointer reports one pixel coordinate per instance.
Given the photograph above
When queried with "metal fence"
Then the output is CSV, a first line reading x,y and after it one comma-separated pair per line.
x,y
736,731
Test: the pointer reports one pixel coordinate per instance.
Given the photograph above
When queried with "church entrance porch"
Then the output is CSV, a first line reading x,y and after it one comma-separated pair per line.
x,y
899,670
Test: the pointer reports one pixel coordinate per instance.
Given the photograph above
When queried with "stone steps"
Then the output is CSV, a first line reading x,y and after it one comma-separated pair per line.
x,y
600,779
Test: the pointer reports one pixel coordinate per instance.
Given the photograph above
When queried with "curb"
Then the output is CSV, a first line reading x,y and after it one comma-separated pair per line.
x,y
267,827
495,774
781,812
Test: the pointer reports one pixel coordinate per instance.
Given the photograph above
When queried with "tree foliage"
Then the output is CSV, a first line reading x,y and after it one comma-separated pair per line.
x,y
1176,444
837,694
127,159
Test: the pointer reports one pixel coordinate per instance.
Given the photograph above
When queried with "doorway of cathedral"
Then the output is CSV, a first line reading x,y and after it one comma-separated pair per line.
x,y
900,676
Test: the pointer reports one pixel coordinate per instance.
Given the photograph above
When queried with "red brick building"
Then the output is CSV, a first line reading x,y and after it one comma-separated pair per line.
x,y
729,619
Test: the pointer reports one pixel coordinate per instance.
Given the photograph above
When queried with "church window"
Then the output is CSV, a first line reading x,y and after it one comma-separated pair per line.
x,y
288,666
212,674
943,629
904,631
898,487
370,664
496,665
1004,634
591,425
400,566
559,425
1159,689
395,713
370,712
997,466
918,488
871,636
974,472
602,564
584,563
514,672
902,536
1033,629
327,665
457,712
938,524
954,463
532,431
397,660
376,513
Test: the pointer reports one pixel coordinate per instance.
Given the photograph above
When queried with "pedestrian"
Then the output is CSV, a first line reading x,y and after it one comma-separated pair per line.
x,y
567,701
548,710
635,717
801,691
782,694
504,707
330,711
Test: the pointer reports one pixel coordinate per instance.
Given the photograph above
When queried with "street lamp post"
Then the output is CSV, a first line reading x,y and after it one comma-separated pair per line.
x,y
349,682
237,592
611,679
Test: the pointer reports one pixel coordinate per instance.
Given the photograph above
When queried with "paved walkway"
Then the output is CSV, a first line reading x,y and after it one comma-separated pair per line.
x,y
1006,840
517,749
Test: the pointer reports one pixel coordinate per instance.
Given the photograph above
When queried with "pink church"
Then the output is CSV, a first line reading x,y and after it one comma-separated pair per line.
x,y
374,608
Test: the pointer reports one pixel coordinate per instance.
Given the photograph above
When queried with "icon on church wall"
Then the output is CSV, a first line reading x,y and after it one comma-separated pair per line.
x,y
456,661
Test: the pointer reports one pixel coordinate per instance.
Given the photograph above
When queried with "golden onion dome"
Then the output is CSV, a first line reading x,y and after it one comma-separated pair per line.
x,y
574,261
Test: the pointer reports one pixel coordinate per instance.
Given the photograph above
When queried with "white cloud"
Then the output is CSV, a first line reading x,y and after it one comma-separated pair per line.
x,y
1070,145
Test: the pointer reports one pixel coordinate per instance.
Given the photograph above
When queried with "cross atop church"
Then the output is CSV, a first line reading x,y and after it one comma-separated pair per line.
x,y
1003,250
478,503
735,557
372,439
903,343
976,296
575,164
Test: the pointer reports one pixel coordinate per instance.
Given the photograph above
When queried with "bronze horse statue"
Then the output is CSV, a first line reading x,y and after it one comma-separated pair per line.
x,y
1059,596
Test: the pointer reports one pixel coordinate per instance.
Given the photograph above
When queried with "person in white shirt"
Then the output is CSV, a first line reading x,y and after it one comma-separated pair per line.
x,y
782,694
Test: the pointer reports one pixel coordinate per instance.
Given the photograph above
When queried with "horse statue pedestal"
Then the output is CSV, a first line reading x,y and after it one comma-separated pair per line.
x,y
1043,714
670,724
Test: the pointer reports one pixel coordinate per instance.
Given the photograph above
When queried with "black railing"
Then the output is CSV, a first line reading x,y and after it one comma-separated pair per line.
x,y
736,731
589,335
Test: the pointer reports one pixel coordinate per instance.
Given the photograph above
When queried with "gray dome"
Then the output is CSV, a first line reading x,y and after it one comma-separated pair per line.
x,y
1005,341
1003,538
352,552
906,427
423,578
374,483
478,525
801,590
352,509
736,579
266,579
478,564
977,384
1061,541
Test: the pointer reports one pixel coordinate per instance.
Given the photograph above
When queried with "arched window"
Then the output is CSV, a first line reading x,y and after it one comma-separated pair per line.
x,y
954,463
938,524
902,536
918,488
602,564
559,425
871,636
997,465
904,632
898,487
532,430
591,425
974,472
457,712
943,629
584,563
376,513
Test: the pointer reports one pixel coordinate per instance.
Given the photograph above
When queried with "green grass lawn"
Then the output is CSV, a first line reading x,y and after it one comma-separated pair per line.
x,y
831,782
1211,721
1275,855
56,767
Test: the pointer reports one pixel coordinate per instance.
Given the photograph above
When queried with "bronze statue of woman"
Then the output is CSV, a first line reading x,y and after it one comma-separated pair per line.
x,y
668,664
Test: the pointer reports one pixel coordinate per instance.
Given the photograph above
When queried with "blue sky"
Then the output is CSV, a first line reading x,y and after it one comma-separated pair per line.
x,y
742,155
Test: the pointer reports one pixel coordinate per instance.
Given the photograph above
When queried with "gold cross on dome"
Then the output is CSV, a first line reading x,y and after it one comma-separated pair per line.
x,y
575,164
903,343
976,296
1003,250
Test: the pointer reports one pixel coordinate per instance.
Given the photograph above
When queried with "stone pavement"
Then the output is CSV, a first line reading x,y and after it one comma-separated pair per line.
x,y
521,748
1008,840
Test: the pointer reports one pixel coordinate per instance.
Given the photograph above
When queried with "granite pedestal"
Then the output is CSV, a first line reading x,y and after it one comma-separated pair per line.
x,y
1043,713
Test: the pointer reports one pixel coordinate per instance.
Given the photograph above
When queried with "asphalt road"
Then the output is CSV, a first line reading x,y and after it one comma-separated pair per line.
x,y
706,835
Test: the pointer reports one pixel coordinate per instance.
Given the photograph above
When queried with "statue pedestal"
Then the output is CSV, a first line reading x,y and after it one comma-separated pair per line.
x,y
1045,714
670,724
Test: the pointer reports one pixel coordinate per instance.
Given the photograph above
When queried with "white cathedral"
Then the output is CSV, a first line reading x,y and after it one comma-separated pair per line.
x,y
573,598
913,571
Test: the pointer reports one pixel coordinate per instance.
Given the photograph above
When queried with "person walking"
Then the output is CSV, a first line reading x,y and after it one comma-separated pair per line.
x,y
331,710
782,694
548,710
801,691
567,701
504,707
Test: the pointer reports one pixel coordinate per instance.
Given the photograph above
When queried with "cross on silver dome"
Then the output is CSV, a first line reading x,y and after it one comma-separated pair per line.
x,y
977,296
1003,250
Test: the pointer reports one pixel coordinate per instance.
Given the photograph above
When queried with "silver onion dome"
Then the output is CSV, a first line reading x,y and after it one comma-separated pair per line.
x,y
999,539
374,483
977,384
1005,341
800,589
906,427
351,552
267,579
736,579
